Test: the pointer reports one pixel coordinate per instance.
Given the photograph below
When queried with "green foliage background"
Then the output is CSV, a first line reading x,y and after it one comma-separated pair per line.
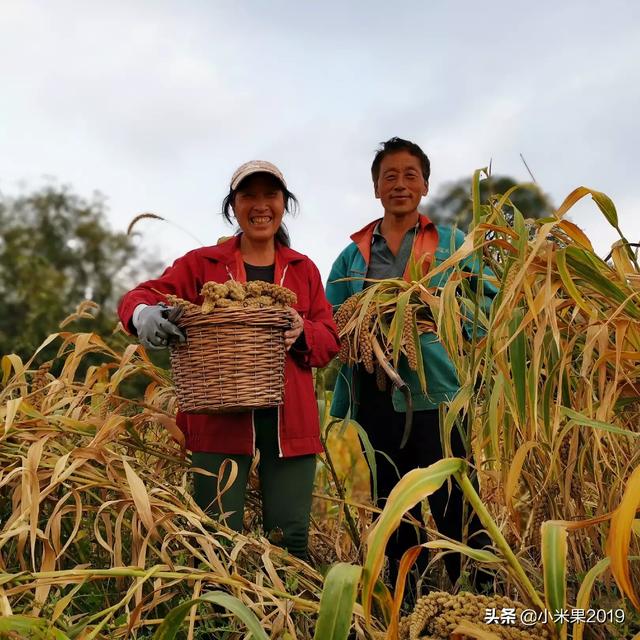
x,y
56,250
452,204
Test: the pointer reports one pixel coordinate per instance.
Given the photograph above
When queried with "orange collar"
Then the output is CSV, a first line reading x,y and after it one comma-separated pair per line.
x,y
424,243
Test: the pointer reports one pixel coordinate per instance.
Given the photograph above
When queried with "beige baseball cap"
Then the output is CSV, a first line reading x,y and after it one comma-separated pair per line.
x,y
255,166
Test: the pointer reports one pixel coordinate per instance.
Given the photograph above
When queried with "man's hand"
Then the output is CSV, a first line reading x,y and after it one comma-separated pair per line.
x,y
155,330
294,332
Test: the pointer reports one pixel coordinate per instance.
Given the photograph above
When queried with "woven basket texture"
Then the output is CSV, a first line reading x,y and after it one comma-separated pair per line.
x,y
233,359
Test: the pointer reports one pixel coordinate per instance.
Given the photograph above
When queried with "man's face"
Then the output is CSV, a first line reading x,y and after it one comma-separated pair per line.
x,y
401,184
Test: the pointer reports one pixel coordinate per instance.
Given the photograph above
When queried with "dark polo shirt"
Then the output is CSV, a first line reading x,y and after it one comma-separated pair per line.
x,y
383,264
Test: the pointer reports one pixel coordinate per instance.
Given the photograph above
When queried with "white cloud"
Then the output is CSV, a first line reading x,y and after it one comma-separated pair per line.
x,y
155,103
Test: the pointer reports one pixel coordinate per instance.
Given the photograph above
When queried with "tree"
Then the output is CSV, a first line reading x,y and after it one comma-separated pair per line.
x,y
452,204
56,250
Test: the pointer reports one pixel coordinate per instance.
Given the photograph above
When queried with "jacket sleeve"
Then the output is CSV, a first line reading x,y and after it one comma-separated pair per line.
x,y
180,279
338,292
320,332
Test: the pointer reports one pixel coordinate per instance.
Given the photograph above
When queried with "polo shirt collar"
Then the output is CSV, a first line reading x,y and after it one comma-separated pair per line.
x,y
378,234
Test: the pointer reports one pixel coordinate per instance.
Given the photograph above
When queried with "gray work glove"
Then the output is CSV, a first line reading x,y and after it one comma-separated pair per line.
x,y
156,326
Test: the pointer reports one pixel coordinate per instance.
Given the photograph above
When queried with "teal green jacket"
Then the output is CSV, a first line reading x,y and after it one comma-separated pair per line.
x,y
442,380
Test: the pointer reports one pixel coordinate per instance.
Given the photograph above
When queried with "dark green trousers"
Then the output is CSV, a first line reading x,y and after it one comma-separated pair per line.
x,y
286,484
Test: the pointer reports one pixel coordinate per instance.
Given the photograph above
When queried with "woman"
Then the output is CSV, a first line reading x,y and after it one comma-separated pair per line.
x,y
287,436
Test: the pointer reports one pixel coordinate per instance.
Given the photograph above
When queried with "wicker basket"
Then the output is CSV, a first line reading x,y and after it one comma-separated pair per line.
x,y
233,359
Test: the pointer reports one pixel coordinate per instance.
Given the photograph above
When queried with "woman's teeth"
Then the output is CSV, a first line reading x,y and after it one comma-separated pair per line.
x,y
261,220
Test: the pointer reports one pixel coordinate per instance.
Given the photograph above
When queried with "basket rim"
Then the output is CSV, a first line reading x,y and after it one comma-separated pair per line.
x,y
278,317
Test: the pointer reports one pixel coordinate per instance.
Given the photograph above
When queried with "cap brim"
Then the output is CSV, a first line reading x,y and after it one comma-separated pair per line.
x,y
245,174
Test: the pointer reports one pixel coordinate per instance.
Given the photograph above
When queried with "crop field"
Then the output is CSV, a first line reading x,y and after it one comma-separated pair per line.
x,y
100,537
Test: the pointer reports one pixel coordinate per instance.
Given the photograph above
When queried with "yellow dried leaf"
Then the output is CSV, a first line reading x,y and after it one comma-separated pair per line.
x,y
140,497
619,537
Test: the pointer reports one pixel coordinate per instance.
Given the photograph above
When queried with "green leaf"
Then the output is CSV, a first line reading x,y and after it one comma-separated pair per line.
x,y
492,428
174,619
336,602
605,204
456,406
515,567
578,418
521,230
28,627
565,276
584,594
554,566
397,325
599,277
412,488
517,356
479,555
370,456
382,597
475,195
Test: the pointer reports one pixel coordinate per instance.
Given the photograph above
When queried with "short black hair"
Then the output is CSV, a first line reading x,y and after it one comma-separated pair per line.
x,y
393,145
291,205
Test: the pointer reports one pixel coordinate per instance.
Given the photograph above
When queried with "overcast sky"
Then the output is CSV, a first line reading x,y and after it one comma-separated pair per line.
x,y
154,104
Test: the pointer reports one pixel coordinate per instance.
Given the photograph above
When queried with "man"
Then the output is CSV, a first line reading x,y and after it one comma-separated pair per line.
x,y
383,249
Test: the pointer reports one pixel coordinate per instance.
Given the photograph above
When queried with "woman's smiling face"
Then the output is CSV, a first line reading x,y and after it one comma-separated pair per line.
x,y
258,206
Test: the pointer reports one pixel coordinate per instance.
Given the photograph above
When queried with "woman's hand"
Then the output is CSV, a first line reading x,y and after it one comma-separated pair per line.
x,y
297,327
155,329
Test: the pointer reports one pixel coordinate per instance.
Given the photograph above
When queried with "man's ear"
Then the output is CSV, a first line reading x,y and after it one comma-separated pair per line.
x,y
375,190
426,189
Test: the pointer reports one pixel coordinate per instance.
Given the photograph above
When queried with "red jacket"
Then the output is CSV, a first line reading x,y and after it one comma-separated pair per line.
x,y
298,421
